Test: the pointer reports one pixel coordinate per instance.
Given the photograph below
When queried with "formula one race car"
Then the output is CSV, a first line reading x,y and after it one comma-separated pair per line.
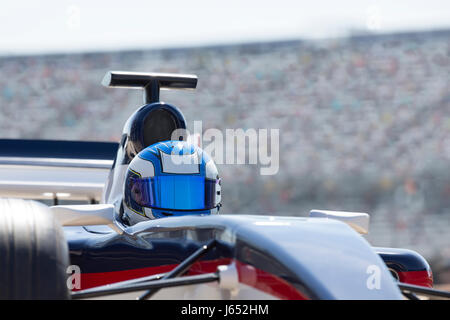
x,y
82,251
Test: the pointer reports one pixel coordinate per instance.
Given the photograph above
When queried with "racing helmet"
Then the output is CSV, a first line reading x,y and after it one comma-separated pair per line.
x,y
170,178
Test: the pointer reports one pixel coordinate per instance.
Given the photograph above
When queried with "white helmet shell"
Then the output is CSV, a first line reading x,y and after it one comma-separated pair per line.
x,y
147,195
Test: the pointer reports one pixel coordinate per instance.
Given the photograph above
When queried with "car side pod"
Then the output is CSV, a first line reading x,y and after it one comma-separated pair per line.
x,y
359,221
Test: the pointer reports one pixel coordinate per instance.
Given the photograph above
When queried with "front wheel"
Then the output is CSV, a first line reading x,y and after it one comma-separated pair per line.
x,y
33,252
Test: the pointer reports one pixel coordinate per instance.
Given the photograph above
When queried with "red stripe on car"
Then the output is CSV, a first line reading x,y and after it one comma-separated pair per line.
x,y
248,275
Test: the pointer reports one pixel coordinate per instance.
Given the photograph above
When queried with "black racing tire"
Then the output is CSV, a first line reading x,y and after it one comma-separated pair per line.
x,y
33,252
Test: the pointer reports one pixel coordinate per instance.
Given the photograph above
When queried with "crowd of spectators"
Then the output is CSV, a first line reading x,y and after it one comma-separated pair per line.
x,y
364,121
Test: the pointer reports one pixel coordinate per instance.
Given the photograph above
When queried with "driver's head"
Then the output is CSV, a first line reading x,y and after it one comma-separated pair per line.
x,y
171,178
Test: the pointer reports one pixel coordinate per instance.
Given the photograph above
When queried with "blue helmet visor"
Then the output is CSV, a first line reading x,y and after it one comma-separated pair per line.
x,y
174,192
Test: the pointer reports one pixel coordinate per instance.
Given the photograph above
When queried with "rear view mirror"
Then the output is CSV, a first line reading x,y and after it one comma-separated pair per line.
x,y
359,221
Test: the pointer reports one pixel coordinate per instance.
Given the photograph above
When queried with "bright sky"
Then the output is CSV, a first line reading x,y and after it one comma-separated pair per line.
x,y
92,25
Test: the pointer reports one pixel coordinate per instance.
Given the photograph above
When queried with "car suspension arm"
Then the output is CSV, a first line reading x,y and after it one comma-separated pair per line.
x,y
409,291
182,267
147,285
155,282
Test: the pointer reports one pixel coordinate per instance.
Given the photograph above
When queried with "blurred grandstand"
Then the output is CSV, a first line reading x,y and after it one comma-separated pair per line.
x,y
364,122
